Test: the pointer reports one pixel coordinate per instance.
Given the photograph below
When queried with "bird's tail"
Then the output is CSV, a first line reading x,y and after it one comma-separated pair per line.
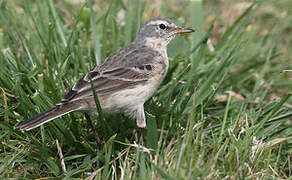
x,y
47,116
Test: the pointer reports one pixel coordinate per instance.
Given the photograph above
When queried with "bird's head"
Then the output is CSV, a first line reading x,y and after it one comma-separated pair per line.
x,y
159,32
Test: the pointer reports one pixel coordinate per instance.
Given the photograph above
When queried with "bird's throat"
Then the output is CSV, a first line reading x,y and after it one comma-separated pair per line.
x,y
157,44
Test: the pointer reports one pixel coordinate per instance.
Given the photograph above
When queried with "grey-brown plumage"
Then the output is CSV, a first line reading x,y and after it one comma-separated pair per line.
x,y
126,79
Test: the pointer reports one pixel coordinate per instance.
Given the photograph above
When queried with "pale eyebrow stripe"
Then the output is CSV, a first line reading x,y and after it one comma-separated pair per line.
x,y
158,22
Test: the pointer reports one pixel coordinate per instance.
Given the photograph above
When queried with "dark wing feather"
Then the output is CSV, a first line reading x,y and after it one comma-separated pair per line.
x,y
124,69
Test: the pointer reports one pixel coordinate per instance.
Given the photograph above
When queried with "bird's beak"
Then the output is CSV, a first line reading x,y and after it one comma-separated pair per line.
x,y
183,30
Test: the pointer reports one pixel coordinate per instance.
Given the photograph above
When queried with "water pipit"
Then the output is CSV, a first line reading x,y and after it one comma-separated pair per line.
x,y
124,81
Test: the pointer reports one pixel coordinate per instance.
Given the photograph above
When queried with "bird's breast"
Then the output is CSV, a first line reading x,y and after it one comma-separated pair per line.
x,y
136,95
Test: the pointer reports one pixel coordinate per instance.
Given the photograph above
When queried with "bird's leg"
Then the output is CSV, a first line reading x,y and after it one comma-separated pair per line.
x,y
97,140
140,117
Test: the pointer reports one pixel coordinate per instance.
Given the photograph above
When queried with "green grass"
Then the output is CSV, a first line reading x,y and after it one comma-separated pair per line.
x,y
219,114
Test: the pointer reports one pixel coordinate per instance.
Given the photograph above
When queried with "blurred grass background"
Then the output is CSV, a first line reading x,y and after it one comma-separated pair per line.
x,y
223,111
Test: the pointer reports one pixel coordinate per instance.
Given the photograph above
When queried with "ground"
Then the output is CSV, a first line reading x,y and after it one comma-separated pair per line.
x,y
223,111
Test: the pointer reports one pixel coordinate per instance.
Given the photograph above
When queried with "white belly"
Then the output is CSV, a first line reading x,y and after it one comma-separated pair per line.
x,y
128,99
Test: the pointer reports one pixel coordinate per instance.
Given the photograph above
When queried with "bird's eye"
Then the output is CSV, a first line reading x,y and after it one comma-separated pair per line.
x,y
162,26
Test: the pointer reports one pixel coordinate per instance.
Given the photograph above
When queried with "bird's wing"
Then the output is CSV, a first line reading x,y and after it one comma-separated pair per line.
x,y
120,71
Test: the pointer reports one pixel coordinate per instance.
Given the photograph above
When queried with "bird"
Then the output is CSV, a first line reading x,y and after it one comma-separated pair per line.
x,y
124,81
